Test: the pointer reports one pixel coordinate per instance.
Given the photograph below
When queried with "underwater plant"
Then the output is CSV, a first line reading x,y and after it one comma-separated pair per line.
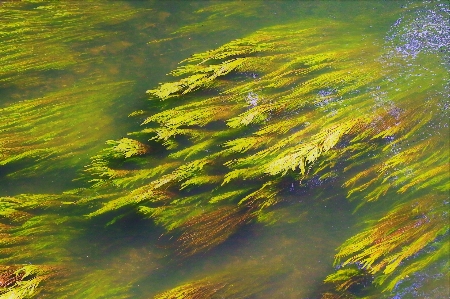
x,y
281,111
249,131
279,106
410,173
26,137
53,88
248,281
41,36
22,281
34,242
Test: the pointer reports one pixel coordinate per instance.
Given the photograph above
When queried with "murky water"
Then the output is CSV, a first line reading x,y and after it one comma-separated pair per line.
x,y
76,81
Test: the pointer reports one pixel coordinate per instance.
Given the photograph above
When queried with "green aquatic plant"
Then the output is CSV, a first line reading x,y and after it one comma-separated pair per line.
x,y
345,279
58,81
409,174
414,233
34,243
246,282
35,225
22,281
251,131
25,136
220,17
199,231
220,147
279,106
402,233
45,35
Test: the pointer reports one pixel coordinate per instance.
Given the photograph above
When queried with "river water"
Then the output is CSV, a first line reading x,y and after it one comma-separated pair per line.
x,y
84,75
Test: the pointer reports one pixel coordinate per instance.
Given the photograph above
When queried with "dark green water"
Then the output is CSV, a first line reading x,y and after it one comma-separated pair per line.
x,y
95,75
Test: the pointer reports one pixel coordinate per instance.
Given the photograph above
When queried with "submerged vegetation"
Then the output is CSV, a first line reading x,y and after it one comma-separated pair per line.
x,y
45,47
238,135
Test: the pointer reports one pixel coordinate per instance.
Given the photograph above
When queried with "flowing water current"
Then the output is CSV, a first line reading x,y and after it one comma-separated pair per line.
x,y
333,118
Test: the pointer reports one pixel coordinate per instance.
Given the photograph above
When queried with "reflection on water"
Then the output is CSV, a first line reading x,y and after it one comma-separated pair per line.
x,y
303,128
